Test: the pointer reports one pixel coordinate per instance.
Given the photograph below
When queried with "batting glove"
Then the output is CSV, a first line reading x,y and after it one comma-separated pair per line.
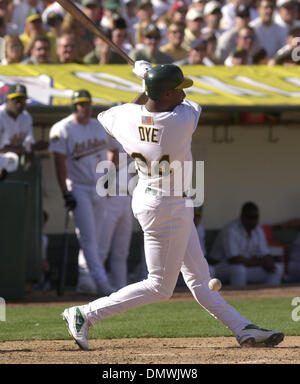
x,y
70,201
141,67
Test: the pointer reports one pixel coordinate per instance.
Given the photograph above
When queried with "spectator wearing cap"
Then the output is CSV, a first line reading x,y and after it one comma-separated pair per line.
x,y
212,16
229,11
33,28
194,22
39,51
286,15
14,50
227,41
66,49
75,27
54,7
92,9
17,10
151,52
54,23
245,40
197,54
145,14
271,36
175,36
110,7
284,55
102,53
16,123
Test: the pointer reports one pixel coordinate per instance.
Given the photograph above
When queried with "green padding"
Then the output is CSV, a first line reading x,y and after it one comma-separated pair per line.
x,y
14,219
32,175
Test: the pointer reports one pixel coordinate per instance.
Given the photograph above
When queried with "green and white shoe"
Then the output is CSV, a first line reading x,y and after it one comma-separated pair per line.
x,y
78,326
253,336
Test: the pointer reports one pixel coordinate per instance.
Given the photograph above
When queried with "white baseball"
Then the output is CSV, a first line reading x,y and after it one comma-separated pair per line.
x,y
214,285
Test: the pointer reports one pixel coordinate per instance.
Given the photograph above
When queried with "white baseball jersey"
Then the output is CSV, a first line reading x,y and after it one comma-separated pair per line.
x,y
234,241
15,131
84,146
171,242
152,138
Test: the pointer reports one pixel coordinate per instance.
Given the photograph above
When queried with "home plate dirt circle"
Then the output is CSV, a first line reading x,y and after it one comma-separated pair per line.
x,y
212,350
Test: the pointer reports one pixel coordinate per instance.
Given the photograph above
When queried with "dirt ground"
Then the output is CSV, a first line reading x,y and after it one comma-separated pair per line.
x,y
220,350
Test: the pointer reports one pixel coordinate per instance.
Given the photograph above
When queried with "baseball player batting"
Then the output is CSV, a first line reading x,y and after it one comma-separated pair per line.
x,y
159,124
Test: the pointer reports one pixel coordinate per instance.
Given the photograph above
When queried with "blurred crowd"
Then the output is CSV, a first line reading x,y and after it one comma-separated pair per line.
x,y
190,32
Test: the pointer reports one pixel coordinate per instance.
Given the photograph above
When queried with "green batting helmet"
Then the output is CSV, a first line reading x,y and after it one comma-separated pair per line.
x,y
80,96
165,77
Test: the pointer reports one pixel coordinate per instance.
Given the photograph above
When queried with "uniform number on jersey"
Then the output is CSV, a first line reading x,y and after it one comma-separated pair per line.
x,y
148,134
159,167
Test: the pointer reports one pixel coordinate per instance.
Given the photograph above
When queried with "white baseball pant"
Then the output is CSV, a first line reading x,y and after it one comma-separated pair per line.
x,y
88,216
171,245
115,238
238,275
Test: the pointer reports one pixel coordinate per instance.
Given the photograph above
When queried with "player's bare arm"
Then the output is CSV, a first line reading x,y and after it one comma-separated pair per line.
x,y
61,170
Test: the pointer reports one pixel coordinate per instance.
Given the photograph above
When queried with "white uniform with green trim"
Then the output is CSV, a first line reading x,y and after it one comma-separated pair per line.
x,y
17,131
84,146
170,237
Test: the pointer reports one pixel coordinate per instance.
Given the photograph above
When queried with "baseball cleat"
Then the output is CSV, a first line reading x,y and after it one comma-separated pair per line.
x,y
253,336
78,326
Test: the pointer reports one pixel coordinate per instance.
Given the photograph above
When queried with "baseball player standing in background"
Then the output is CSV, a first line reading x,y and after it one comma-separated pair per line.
x,y
159,126
16,124
79,142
